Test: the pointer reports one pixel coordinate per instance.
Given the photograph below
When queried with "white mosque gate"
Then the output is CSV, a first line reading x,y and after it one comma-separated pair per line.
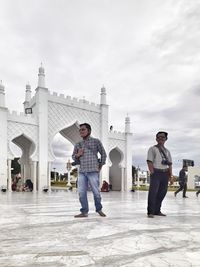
x,y
52,114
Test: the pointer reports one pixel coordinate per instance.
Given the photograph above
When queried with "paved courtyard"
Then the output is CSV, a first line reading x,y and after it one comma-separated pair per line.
x,y
40,230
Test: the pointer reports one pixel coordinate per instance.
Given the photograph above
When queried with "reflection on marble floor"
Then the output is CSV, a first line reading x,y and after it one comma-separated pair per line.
x,y
40,230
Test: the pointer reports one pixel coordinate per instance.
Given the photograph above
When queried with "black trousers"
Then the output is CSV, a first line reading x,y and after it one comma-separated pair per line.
x,y
157,191
183,186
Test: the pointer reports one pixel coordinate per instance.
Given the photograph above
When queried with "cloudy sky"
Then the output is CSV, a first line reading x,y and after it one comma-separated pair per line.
x,y
145,52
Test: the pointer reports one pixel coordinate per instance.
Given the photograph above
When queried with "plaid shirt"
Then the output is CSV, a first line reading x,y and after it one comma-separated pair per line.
x,y
89,161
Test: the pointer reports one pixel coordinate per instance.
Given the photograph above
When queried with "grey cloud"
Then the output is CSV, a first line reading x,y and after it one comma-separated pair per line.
x,y
146,54
179,41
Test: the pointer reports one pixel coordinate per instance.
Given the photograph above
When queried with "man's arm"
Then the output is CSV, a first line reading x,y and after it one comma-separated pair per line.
x,y
77,153
150,159
102,152
150,166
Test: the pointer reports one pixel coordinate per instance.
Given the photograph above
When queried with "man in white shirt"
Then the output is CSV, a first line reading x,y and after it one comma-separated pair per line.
x,y
159,162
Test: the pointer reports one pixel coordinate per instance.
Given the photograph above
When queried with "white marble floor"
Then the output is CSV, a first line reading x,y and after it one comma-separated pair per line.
x,y
40,230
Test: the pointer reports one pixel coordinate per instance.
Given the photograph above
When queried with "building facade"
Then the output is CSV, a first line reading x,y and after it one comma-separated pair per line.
x,y
46,114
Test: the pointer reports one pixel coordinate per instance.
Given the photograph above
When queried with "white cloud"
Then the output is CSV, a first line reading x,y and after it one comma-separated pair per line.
x,y
145,52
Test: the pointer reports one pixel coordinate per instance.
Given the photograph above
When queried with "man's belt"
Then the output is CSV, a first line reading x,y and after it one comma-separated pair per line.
x,y
161,170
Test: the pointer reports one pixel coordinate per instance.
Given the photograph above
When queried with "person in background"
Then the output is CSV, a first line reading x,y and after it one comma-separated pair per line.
x,y
159,163
197,193
85,152
182,182
105,187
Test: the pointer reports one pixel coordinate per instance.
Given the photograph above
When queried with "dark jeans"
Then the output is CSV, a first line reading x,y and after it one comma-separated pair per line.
x,y
183,186
157,191
198,192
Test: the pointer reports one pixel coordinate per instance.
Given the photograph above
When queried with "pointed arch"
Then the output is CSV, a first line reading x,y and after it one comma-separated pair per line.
x,y
69,132
25,143
116,157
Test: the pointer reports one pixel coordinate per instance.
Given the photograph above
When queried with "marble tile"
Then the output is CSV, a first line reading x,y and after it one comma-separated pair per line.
x,y
40,230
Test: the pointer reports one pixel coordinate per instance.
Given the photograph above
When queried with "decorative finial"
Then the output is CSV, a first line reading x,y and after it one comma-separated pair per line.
x,y
103,89
41,77
41,69
103,95
2,95
127,124
28,87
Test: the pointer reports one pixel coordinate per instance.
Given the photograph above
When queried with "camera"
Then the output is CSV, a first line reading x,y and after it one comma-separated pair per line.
x,y
165,162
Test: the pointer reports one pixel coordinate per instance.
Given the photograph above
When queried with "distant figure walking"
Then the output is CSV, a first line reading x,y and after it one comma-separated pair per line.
x,y
197,193
182,182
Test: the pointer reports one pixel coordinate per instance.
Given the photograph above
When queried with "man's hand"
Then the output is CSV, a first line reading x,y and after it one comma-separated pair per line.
x,y
80,152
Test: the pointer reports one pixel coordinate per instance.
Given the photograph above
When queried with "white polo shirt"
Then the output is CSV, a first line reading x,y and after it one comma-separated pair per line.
x,y
155,157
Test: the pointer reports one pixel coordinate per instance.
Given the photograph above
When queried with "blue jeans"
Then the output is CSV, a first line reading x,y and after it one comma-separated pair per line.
x,y
93,179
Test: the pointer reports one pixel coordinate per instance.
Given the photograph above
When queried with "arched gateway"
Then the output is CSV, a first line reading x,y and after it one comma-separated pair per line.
x,y
44,116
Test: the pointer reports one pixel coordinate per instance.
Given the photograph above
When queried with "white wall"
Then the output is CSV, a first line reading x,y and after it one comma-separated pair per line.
x,y
192,171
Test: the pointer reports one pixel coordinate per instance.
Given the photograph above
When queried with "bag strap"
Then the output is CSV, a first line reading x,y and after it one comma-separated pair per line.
x,y
162,153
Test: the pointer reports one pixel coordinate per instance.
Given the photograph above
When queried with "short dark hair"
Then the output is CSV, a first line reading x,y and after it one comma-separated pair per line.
x,y
161,132
87,125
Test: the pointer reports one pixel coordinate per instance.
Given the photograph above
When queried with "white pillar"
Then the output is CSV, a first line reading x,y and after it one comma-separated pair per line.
x,y
68,179
104,132
24,174
41,98
128,154
138,178
9,176
34,176
49,176
3,144
122,179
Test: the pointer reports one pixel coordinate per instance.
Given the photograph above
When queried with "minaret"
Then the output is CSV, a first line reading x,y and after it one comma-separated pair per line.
x,y
103,96
2,95
104,130
41,110
27,96
128,153
28,93
41,77
127,124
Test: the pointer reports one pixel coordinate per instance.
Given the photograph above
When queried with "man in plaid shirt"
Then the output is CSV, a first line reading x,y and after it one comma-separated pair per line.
x,y
86,152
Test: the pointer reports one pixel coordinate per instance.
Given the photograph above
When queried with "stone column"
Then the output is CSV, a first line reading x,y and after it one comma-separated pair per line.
x,y
128,154
122,179
3,138
41,98
104,132
9,176
34,176
49,175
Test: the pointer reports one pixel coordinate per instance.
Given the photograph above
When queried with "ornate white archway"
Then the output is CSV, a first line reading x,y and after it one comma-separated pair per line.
x,y
52,113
